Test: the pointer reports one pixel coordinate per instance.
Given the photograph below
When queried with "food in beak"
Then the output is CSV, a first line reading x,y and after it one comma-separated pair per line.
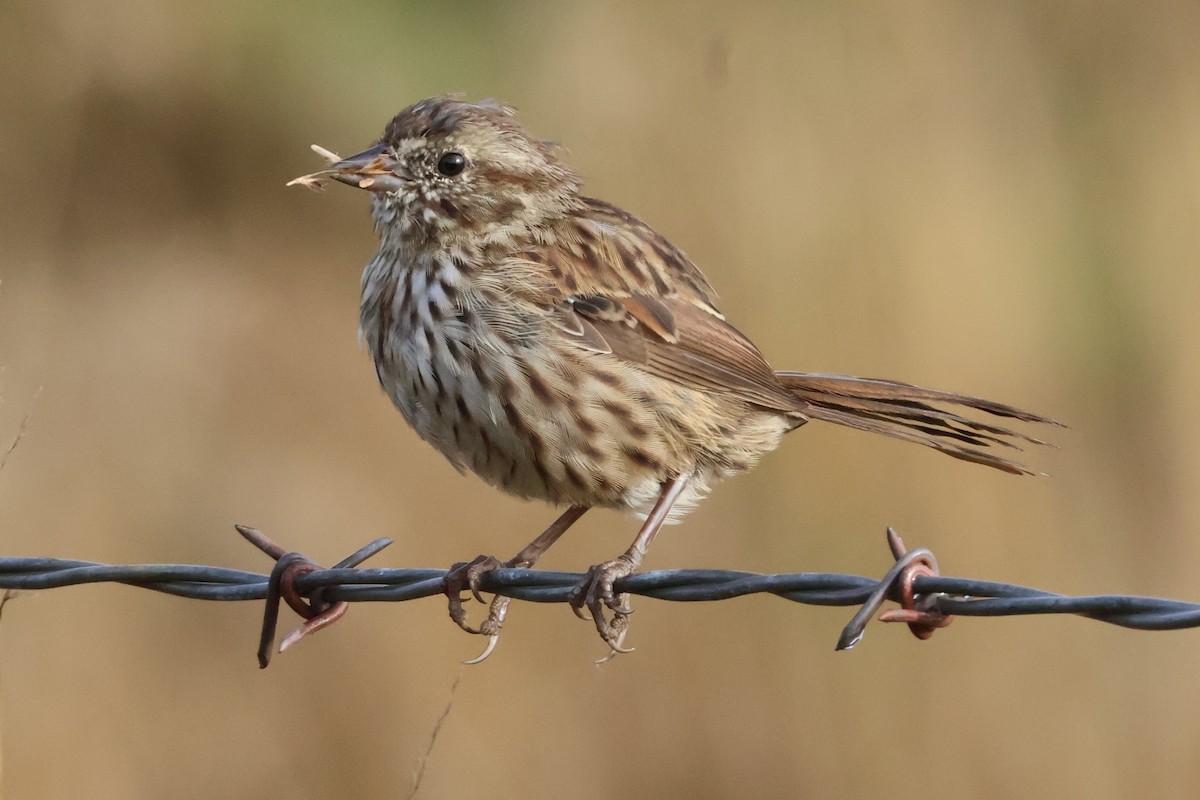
x,y
370,169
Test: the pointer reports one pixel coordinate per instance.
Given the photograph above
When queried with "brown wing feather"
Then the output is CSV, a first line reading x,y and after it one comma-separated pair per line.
x,y
651,306
607,251
707,354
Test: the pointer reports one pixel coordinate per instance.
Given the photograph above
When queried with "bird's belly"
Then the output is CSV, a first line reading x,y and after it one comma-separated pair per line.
x,y
562,424
520,422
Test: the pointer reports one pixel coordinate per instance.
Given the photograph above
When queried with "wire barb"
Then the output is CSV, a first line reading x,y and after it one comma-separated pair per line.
x,y
920,612
318,612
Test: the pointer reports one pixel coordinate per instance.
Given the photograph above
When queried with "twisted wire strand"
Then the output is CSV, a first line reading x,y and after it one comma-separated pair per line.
x,y
948,595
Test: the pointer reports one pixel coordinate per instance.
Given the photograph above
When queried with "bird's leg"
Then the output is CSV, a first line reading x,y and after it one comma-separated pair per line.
x,y
595,592
467,575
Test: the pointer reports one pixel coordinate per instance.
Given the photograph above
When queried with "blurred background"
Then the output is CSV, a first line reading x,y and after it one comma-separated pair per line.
x,y
998,198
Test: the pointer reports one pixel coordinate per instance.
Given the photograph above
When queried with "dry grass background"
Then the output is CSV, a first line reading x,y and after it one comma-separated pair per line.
x,y
1001,198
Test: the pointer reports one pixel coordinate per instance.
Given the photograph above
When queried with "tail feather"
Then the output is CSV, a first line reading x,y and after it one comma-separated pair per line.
x,y
904,411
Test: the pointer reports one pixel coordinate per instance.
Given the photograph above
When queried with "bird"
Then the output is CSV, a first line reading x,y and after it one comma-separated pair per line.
x,y
563,350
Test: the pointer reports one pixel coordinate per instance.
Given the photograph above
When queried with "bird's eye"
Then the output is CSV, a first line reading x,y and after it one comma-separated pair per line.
x,y
451,164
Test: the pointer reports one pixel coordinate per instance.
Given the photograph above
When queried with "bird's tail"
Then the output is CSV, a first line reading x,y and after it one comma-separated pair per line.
x,y
912,413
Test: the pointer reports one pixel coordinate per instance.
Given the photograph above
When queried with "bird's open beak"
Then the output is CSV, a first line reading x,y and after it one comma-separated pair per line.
x,y
373,169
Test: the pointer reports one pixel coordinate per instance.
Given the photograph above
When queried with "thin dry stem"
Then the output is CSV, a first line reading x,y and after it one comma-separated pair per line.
x,y
423,761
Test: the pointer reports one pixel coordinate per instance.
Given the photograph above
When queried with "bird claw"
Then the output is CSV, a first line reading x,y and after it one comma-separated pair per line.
x,y
621,606
595,593
615,650
487,651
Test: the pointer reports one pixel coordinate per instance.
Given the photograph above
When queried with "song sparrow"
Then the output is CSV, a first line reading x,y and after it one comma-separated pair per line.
x,y
563,350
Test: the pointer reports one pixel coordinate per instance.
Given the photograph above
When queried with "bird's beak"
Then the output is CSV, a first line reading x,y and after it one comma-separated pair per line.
x,y
374,169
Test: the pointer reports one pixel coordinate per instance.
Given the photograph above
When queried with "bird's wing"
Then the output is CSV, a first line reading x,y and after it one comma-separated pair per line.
x,y
614,285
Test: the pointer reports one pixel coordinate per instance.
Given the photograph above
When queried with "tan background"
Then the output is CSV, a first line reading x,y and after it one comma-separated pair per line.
x,y
1001,198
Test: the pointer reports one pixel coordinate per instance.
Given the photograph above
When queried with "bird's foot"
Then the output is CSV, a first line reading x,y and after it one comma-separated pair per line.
x,y
466,576
595,593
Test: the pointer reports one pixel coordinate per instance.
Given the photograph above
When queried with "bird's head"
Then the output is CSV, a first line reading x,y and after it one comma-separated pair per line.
x,y
445,168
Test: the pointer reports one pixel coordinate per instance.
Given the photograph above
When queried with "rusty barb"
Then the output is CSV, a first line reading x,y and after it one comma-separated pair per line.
x,y
919,612
317,611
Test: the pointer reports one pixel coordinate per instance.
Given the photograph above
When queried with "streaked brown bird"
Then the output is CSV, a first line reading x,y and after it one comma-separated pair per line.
x,y
561,349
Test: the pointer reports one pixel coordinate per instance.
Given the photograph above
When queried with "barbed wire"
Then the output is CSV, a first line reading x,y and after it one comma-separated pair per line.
x,y
928,599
